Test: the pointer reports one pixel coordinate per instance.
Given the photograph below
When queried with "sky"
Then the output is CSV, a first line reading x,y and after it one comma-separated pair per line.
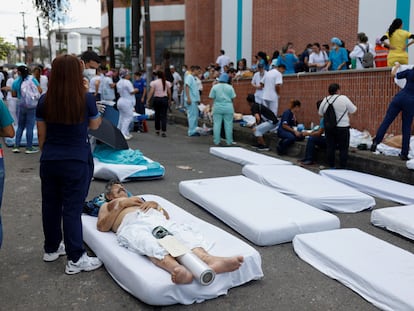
x,y
83,13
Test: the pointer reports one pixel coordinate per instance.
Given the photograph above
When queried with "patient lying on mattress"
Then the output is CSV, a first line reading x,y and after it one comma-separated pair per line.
x,y
133,220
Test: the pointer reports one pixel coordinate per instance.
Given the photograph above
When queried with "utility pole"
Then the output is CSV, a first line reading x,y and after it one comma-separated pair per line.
x,y
40,41
148,62
24,35
136,22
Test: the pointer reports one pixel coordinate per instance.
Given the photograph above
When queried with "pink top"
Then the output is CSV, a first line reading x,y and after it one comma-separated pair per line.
x,y
158,90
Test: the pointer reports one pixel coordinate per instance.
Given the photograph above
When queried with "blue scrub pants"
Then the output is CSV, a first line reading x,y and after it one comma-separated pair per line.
x,y
401,102
27,119
218,120
286,139
192,117
65,185
2,174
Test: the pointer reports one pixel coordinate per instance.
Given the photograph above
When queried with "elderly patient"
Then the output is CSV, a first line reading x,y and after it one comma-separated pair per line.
x,y
133,220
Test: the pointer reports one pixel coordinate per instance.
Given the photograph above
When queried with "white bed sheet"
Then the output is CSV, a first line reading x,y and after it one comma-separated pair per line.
x,y
243,156
399,219
257,212
378,271
309,187
152,285
374,185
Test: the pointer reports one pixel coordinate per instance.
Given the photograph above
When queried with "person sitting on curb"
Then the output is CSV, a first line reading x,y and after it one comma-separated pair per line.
x,y
286,131
133,219
316,137
266,121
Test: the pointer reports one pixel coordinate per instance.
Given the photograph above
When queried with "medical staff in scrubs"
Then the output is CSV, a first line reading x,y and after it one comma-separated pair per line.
x,y
191,100
223,94
64,115
403,102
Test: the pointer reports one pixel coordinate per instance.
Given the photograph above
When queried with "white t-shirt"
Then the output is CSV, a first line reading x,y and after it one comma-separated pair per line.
x,y
223,60
342,105
271,78
125,89
177,78
92,88
9,83
318,58
258,94
358,53
43,83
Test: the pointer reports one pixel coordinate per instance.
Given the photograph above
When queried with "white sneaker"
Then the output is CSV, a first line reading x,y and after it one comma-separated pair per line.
x,y
53,256
85,263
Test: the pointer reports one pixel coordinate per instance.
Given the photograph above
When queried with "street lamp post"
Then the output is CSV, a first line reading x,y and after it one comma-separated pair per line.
x,y
148,62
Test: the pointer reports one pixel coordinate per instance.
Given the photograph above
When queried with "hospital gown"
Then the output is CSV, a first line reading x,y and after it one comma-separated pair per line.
x,y
135,233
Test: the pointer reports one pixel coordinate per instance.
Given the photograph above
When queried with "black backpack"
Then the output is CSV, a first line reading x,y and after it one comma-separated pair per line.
x,y
329,116
367,60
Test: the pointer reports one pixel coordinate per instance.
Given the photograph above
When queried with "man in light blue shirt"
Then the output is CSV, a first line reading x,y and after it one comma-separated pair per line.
x,y
191,100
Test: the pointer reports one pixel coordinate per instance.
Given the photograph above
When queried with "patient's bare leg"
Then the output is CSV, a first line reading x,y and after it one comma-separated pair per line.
x,y
179,273
219,264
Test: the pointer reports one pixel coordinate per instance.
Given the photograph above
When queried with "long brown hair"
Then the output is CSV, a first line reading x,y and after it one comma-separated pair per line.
x,y
65,98
161,76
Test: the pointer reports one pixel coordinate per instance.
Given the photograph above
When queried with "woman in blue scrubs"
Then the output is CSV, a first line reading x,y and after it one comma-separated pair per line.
x,y
404,102
63,116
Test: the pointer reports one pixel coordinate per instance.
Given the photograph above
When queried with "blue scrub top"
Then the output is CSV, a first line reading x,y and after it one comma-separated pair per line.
x,y
337,57
5,116
67,141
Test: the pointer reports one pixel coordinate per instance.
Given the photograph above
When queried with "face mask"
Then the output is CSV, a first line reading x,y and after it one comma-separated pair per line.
x,y
309,51
89,73
183,70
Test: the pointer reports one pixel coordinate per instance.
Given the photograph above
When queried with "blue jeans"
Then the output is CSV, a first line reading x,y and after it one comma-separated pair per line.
x,y
313,141
1,192
286,139
27,119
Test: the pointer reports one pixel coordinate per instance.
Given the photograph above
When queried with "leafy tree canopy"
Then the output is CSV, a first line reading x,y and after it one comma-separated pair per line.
x,y
52,10
5,48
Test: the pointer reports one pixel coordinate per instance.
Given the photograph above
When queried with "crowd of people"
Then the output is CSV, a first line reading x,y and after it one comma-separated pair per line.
x,y
68,104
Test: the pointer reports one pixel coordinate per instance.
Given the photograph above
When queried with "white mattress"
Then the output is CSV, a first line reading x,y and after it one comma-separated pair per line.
x,y
257,212
378,271
243,156
152,285
311,188
374,185
399,219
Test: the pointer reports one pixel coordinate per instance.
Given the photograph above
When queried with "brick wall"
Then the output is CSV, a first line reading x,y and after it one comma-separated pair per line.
x,y
276,22
370,90
200,29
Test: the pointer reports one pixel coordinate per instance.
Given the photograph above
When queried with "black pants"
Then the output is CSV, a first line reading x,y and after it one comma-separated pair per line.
x,y
338,137
160,105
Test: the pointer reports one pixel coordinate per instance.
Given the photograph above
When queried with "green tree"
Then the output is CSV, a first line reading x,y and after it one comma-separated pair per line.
x,y
51,10
5,49
123,56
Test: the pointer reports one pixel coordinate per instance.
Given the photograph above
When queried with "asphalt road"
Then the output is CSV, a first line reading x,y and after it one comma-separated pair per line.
x,y
28,283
